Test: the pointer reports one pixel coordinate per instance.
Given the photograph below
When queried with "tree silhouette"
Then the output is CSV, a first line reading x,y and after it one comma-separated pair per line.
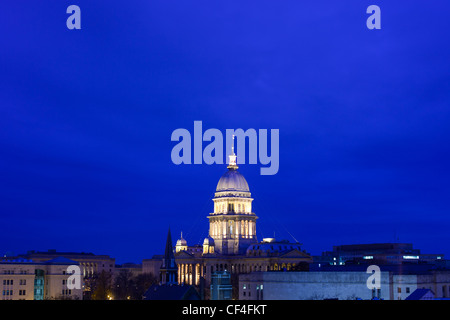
x,y
141,283
102,286
123,285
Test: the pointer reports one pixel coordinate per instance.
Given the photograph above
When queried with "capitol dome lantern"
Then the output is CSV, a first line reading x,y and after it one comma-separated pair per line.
x,y
181,244
208,245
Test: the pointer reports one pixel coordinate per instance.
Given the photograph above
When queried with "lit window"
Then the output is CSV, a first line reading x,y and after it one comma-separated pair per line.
x,y
410,257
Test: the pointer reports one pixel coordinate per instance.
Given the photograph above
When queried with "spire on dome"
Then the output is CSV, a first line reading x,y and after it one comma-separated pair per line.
x,y
232,163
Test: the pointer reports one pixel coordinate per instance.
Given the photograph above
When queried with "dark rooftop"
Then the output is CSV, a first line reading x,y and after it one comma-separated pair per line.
x,y
171,292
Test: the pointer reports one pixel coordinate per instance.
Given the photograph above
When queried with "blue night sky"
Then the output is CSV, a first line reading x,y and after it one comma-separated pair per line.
x,y
86,118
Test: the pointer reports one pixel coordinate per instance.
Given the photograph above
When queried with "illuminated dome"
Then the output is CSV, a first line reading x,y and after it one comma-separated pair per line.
x,y
181,242
232,180
232,225
208,241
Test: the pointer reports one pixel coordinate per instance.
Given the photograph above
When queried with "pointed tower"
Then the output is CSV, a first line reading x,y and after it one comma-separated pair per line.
x,y
169,270
232,225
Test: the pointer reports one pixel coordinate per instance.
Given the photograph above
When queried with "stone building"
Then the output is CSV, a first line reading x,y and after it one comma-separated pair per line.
x,y
91,265
23,279
397,282
312,285
232,244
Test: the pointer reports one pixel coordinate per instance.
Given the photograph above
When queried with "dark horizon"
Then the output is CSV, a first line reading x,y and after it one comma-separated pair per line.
x,y
87,116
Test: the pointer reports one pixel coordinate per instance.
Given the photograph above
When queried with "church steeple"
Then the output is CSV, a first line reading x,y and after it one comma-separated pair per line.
x,y
169,269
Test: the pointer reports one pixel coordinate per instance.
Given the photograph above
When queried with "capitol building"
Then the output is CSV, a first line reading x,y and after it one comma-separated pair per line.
x,y
232,244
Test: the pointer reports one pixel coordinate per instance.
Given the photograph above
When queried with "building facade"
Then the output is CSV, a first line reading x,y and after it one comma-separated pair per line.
x,y
91,265
221,288
311,285
377,253
397,282
29,280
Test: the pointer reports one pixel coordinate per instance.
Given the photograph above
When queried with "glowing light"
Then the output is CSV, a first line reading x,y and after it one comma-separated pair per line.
x,y
410,257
